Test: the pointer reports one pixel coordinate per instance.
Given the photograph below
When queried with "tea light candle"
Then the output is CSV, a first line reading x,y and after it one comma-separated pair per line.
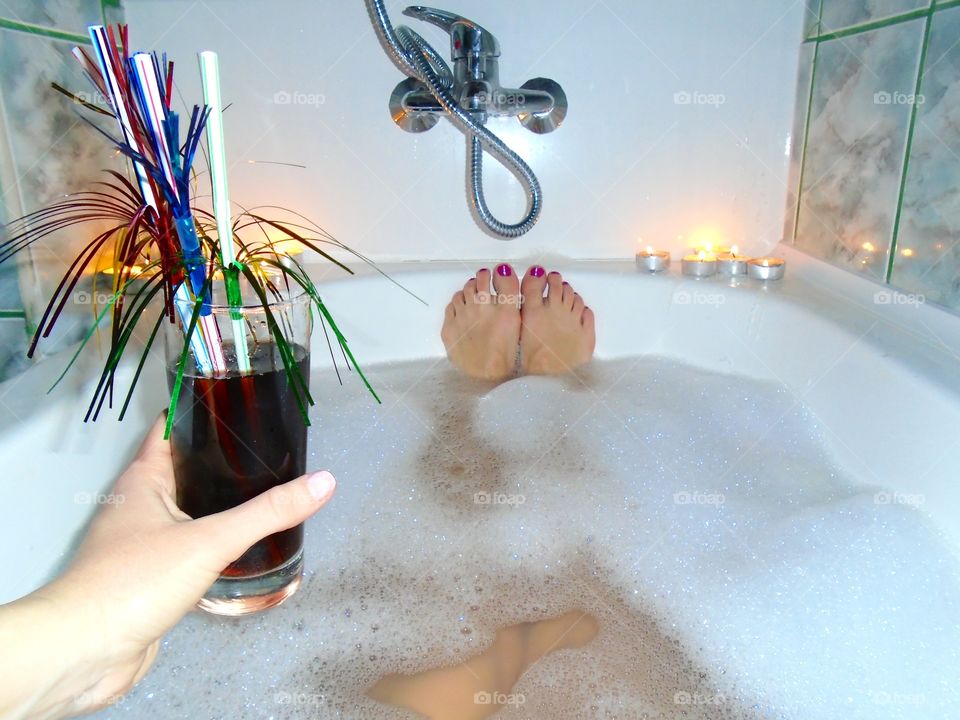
x,y
699,265
767,268
730,263
653,260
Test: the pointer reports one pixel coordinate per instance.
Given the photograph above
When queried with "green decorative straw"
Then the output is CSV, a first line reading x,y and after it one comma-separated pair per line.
x,y
210,74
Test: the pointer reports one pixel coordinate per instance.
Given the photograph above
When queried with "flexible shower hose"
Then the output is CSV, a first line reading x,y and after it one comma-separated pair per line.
x,y
414,57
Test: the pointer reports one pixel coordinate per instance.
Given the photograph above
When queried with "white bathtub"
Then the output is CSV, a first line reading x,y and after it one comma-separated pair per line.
x,y
883,379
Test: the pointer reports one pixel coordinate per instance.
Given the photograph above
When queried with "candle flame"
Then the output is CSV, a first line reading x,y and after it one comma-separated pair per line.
x,y
702,255
649,250
734,250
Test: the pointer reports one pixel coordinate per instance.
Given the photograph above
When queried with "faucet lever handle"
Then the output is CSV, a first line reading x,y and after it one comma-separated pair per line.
x,y
467,39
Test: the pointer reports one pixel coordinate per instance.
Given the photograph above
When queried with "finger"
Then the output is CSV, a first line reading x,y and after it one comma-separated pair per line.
x,y
229,534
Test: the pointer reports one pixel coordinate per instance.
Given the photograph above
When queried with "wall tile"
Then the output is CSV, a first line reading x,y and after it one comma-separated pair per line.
x,y
855,148
52,152
13,348
840,14
71,15
928,247
631,160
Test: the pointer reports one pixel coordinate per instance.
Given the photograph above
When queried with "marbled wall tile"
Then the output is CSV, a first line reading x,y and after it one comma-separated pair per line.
x,y
840,14
855,147
52,150
801,103
13,348
71,15
928,244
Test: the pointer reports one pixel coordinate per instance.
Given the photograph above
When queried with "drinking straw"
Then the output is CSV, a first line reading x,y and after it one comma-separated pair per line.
x,y
210,75
154,109
99,37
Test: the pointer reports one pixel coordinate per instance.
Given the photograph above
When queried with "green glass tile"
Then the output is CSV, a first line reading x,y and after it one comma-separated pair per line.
x,y
798,136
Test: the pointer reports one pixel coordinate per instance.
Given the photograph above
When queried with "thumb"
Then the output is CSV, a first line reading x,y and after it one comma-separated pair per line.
x,y
229,534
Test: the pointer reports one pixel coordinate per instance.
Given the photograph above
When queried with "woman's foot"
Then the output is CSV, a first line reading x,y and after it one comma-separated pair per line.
x,y
557,333
481,330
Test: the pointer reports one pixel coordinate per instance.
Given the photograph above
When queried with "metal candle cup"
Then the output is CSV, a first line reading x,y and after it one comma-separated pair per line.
x,y
730,263
700,265
653,260
767,268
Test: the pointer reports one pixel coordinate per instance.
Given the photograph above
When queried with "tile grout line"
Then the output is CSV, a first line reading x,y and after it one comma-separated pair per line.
x,y
40,30
806,130
911,129
881,23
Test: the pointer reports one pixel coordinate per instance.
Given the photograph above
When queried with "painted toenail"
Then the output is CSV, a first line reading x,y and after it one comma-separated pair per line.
x,y
504,270
537,271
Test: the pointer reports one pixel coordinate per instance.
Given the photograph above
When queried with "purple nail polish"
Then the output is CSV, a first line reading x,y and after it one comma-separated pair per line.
x,y
504,270
537,271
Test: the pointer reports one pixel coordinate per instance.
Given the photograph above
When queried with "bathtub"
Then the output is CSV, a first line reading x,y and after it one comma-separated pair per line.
x,y
878,371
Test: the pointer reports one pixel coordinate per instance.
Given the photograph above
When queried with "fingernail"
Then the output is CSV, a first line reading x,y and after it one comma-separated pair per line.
x,y
504,270
537,271
321,485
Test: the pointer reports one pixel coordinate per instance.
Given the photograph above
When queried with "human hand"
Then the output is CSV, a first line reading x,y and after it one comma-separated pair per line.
x,y
94,632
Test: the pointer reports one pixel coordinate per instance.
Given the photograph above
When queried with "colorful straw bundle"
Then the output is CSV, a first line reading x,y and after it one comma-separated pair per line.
x,y
154,226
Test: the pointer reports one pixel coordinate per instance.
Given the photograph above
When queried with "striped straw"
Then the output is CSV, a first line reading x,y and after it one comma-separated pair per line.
x,y
210,74
156,114
182,302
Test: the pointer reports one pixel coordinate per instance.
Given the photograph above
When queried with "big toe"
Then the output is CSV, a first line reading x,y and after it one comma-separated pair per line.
x,y
507,285
533,284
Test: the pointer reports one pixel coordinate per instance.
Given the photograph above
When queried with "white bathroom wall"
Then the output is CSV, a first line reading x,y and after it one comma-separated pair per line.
x,y
680,116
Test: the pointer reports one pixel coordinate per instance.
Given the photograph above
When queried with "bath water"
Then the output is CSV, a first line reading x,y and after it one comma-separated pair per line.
x,y
697,518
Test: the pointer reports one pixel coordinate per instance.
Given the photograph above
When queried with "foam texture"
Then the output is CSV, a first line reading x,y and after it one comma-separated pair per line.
x,y
734,572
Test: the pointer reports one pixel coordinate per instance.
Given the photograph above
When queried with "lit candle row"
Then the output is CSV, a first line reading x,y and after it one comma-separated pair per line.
x,y
705,263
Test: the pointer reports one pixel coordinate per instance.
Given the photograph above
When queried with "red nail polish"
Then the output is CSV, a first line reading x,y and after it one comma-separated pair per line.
x,y
504,271
537,271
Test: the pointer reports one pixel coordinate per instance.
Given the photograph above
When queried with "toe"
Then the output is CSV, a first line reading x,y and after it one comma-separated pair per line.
x,y
483,280
470,288
588,321
458,300
578,303
533,284
555,287
568,295
507,285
